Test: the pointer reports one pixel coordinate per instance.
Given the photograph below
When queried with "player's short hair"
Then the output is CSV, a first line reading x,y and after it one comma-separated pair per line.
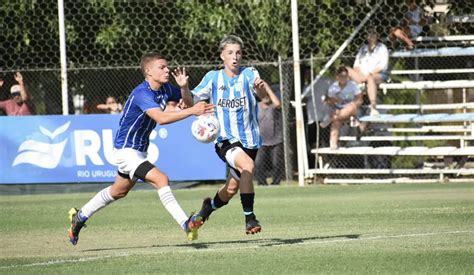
x,y
341,70
147,58
230,39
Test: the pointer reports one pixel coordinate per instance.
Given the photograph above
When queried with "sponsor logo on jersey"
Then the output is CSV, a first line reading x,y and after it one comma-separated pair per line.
x,y
232,103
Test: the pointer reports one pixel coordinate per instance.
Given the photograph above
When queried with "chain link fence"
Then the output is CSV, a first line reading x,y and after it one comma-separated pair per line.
x,y
105,40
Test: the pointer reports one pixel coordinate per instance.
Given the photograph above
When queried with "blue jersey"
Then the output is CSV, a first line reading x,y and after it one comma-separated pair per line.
x,y
236,105
135,126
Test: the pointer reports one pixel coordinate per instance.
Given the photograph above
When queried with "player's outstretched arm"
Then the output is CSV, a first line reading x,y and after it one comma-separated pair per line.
x,y
275,100
162,117
181,78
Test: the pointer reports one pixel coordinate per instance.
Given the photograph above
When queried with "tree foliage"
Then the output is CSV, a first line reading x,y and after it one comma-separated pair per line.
x,y
117,32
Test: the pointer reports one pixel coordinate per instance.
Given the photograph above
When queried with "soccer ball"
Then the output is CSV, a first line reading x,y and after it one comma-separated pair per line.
x,y
205,128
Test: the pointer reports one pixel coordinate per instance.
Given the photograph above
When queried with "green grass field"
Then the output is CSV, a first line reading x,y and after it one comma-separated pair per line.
x,y
413,228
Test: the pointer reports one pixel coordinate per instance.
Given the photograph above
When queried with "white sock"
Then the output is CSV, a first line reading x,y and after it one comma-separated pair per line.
x,y
99,201
170,203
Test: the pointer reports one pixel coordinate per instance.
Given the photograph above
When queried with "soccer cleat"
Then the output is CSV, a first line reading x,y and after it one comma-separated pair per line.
x,y
252,225
192,225
206,209
76,226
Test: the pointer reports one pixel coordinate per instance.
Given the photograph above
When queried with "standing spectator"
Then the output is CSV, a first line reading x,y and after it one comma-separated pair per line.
x,y
344,98
315,111
410,27
19,103
111,106
370,67
269,119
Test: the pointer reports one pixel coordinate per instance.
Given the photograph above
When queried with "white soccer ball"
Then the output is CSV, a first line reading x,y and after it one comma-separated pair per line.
x,y
205,128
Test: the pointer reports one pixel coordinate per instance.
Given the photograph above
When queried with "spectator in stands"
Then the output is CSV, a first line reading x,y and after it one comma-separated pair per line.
x,y
410,27
344,98
370,67
19,103
271,130
315,110
111,106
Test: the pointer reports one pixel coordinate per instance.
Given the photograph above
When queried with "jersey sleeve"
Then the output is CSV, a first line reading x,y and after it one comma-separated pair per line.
x,y
203,90
146,101
251,73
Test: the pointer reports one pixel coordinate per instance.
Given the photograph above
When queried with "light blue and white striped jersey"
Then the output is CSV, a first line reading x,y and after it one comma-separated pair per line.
x,y
135,126
236,105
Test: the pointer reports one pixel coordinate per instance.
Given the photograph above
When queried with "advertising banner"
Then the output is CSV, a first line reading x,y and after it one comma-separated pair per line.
x,y
79,148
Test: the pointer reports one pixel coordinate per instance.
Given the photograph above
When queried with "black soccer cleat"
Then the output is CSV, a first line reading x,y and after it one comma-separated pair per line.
x,y
252,225
206,209
76,226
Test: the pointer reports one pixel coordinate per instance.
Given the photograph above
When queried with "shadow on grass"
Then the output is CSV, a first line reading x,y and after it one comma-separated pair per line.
x,y
260,242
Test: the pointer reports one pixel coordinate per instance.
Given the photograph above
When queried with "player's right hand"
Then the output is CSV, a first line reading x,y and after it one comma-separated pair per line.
x,y
202,108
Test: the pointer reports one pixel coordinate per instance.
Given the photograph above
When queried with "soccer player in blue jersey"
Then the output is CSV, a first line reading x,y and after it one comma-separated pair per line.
x,y
153,101
234,90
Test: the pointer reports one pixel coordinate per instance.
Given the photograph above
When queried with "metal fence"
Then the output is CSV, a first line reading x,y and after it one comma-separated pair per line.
x,y
105,39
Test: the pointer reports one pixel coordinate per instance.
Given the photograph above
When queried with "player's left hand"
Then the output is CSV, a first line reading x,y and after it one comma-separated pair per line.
x,y
181,77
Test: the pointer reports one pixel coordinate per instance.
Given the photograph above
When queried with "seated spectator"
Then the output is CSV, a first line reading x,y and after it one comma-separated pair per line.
x,y
344,99
19,103
410,27
270,155
111,106
370,67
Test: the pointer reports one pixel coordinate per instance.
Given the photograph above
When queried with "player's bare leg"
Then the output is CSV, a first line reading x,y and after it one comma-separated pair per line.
x,y
246,167
222,197
78,218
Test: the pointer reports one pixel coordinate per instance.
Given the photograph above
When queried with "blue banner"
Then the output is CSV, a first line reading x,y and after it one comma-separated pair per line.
x,y
67,149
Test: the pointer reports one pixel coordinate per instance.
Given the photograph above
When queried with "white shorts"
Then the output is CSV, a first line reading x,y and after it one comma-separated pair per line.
x,y
128,160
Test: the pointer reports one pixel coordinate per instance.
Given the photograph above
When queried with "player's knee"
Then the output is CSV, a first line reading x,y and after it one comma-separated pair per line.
x,y
248,167
232,190
160,180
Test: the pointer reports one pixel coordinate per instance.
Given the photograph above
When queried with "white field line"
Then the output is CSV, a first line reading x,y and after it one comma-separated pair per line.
x,y
194,250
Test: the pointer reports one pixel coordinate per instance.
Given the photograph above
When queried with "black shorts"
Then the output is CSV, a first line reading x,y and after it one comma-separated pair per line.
x,y
224,146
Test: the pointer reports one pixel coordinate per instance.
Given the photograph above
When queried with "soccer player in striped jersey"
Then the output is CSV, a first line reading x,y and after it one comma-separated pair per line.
x,y
153,101
234,90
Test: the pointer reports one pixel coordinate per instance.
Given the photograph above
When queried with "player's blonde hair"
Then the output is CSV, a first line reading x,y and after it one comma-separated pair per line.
x,y
147,58
230,39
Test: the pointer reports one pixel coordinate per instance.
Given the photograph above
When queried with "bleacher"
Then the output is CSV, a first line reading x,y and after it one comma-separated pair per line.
x,y
437,139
